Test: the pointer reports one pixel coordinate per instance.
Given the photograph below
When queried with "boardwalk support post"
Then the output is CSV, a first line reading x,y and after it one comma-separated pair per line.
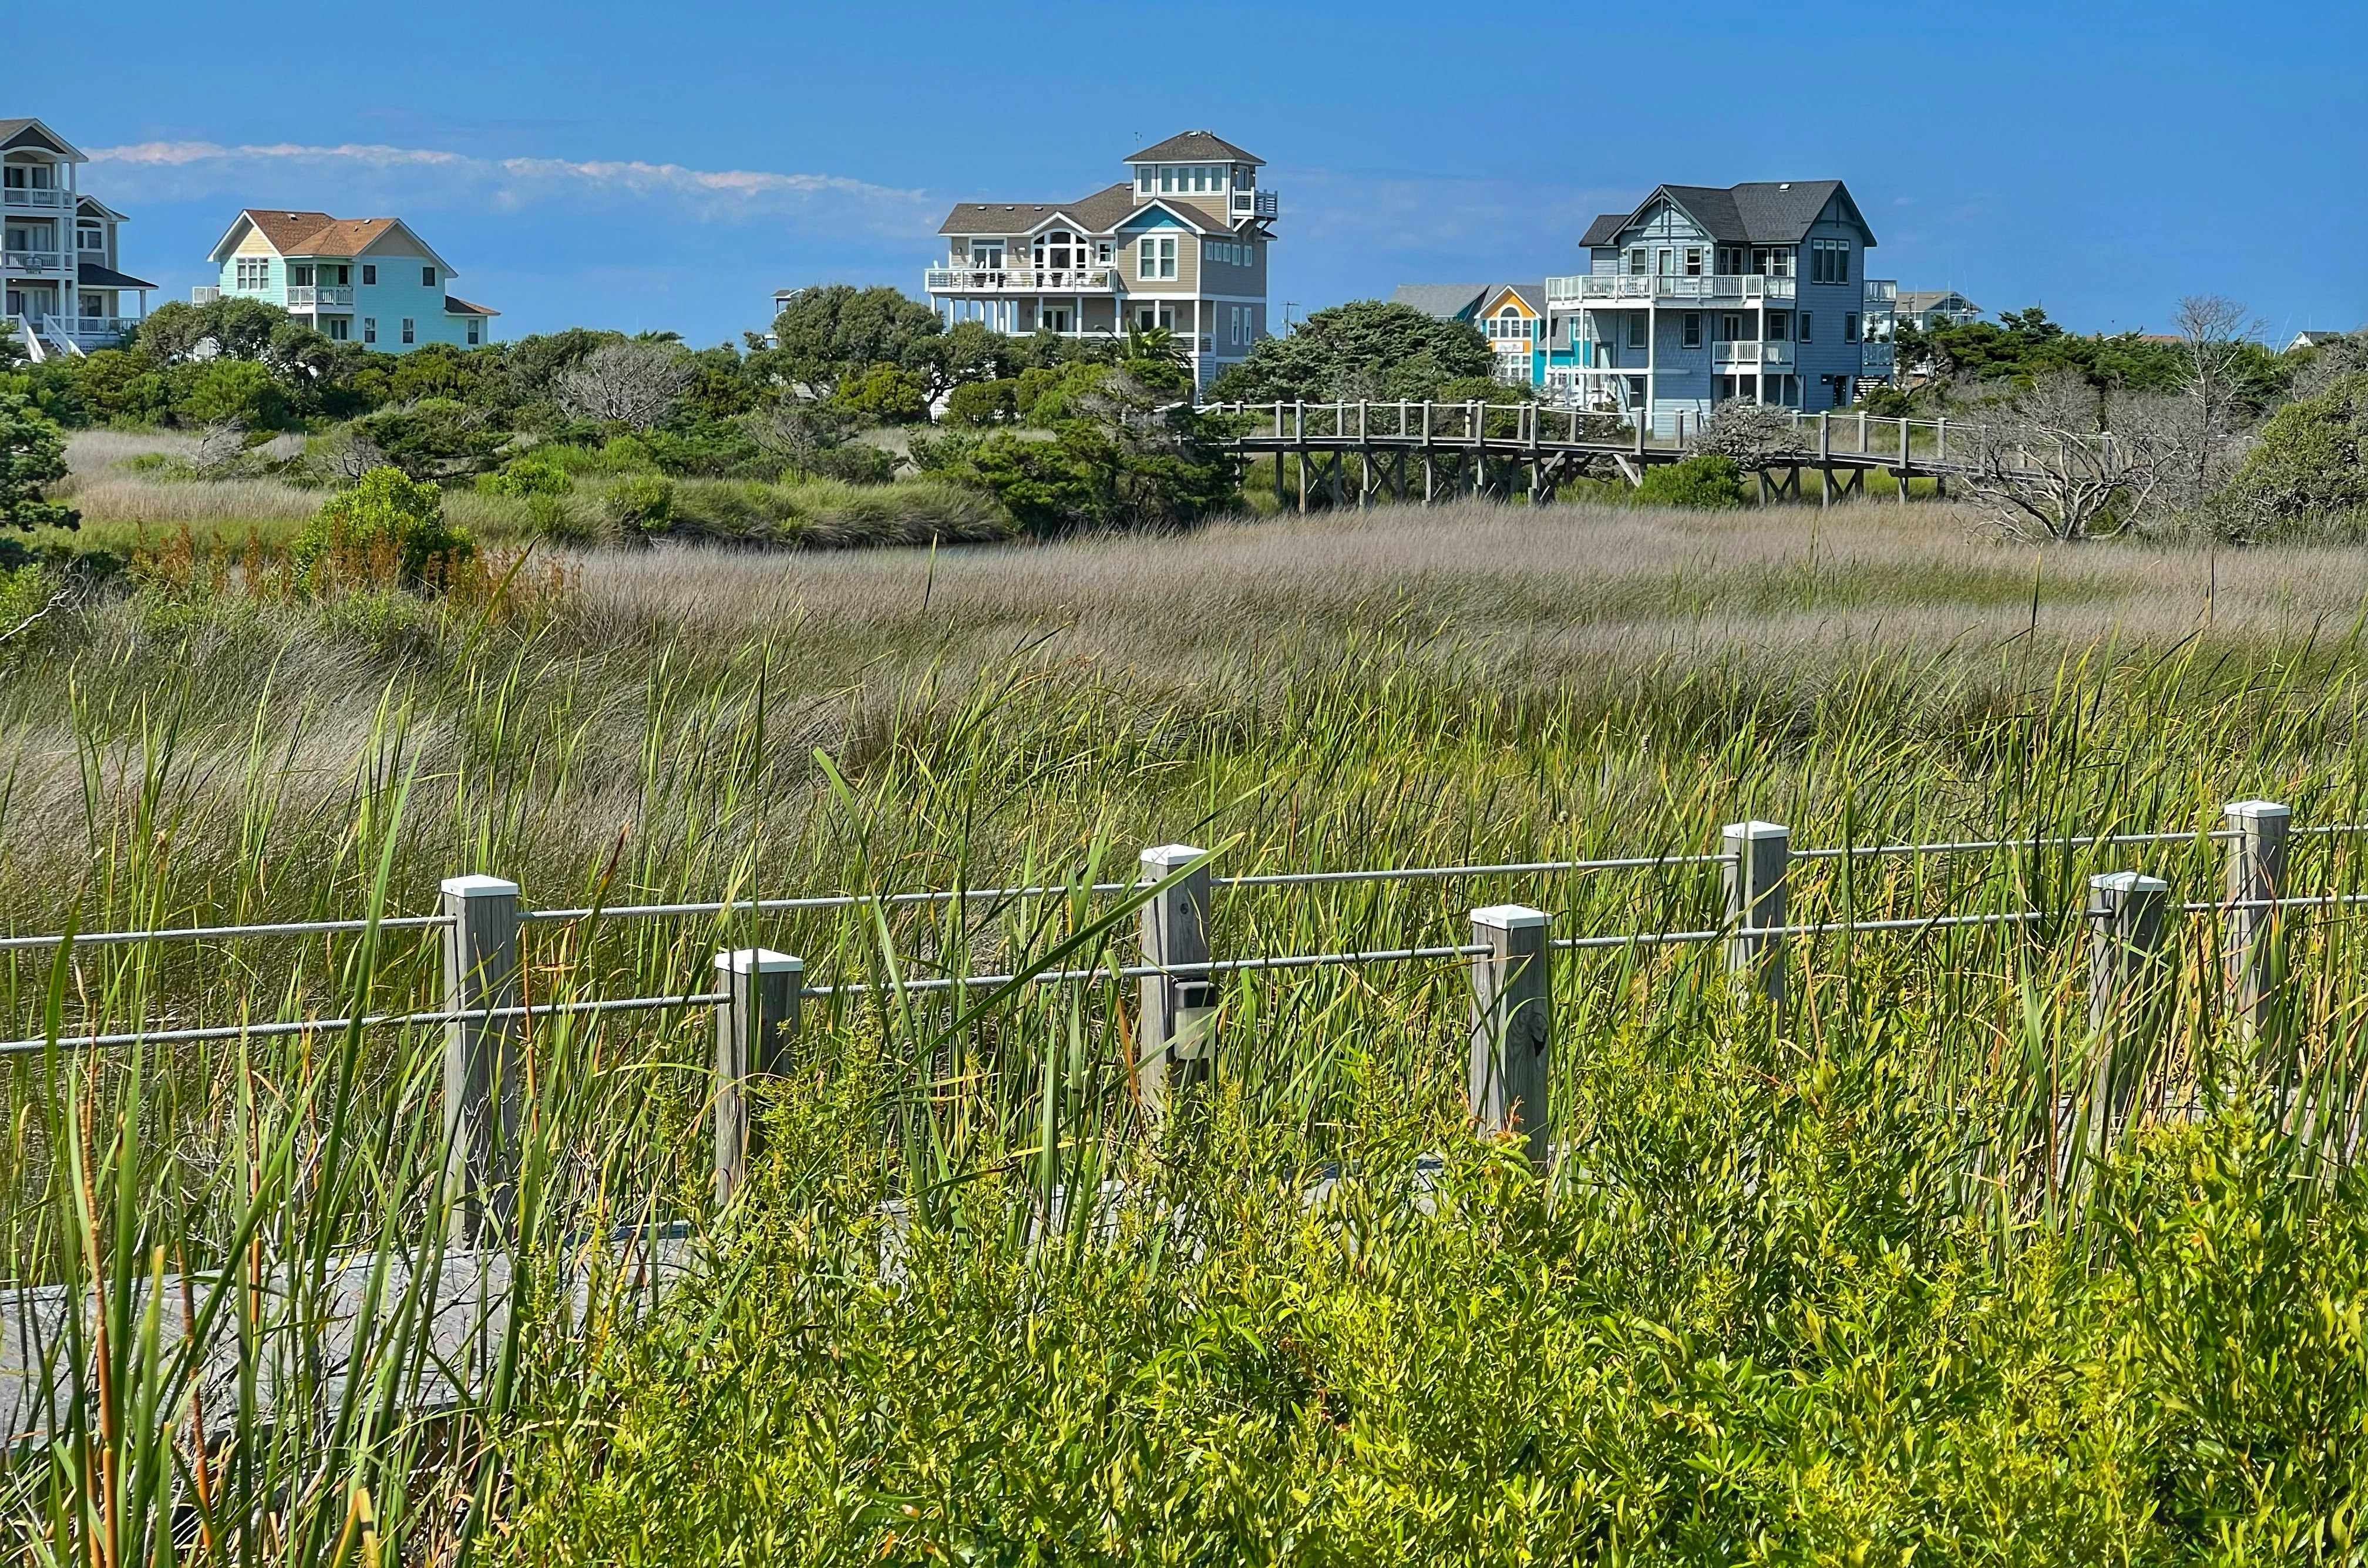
x,y
1512,1025
1758,854
755,1025
480,1102
2257,878
1825,460
1177,1041
2126,970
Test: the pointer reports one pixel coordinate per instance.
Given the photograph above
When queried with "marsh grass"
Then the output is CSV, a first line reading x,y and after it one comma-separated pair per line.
x,y
1732,1287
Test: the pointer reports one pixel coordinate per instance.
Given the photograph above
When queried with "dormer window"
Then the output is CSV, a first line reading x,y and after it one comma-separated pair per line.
x,y
89,236
1059,250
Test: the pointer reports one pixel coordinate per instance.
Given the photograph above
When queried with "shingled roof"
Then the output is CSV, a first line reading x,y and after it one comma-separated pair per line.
x,y
33,133
1099,213
1191,145
1762,212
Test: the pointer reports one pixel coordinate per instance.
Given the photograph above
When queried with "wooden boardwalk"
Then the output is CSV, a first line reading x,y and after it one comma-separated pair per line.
x,y
1432,451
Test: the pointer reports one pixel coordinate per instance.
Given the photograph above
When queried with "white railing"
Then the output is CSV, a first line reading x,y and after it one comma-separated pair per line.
x,y
1709,289
1882,293
205,293
34,195
1090,279
1876,359
34,260
1774,356
1257,204
313,299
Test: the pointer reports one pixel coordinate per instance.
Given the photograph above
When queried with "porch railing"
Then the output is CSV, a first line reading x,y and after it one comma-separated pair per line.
x,y
1090,279
318,296
1709,289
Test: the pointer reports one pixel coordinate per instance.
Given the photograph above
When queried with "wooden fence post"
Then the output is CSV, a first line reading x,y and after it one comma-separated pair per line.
x,y
2127,954
1176,1043
1825,458
1904,460
754,1028
1758,854
1512,1025
481,1106
2257,878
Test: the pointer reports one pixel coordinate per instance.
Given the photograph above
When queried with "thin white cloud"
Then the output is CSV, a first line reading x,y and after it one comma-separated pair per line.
x,y
348,173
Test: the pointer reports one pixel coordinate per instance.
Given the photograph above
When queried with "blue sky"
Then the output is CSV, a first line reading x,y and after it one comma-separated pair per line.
x,y
614,165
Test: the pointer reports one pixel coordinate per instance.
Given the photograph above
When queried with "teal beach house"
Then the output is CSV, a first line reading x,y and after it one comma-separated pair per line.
x,y
367,280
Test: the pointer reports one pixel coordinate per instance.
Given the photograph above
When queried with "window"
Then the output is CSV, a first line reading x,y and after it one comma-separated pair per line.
x,y
983,254
90,236
1103,252
1693,263
1690,335
1636,261
339,276
1636,329
1779,327
1829,261
1808,319
251,272
1155,256
339,327
299,277
1156,316
410,330
1143,181
476,332
1166,180
369,273
427,278
1849,326
370,323
1730,328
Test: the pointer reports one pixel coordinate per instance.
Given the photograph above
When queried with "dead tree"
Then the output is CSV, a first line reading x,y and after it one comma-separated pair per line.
x,y
636,384
2062,461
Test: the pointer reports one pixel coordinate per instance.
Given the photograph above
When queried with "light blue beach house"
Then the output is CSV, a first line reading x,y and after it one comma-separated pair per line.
x,y
370,280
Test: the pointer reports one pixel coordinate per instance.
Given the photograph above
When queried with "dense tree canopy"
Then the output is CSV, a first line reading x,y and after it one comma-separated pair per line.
x,y
1363,349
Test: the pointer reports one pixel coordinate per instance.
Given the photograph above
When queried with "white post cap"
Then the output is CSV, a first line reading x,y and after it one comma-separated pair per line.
x,y
1508,916
1757,829
2255,810
758,960
2127,882
1168,856
478,887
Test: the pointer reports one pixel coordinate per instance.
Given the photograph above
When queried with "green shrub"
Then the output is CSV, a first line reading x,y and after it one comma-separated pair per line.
x,y
235,391
388,523
550,516
888,393
526,476
1705,480
643,501
858,463
977,404
2311,462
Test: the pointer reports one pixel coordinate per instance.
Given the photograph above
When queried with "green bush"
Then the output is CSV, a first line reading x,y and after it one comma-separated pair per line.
x,y
977,404
644,501
1705,480
235,391
858,463
887,394
526,476
2310,463
387,522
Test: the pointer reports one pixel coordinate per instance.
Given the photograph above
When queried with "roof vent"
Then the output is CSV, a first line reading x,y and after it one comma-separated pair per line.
x,y
292,214
1784,185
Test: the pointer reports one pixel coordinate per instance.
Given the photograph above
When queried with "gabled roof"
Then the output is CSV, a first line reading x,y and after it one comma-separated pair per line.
x,y
1932,299
1447,302
455,306
1762,212
1533,295
317,233
1100,213
86,205
17,133
1191,145
90,275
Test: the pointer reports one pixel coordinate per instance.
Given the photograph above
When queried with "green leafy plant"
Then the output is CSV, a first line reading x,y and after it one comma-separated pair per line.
x,y
32,454
1706,480
388,527
641,501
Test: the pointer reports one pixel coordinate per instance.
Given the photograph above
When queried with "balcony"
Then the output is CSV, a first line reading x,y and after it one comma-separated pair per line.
x,y
1876,359
1655,287
1882,294
38,197
1752,356
323,297
41,261
1020,280
1257,204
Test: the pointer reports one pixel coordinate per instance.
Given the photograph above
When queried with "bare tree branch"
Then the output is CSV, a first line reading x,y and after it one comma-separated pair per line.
x,y
636,383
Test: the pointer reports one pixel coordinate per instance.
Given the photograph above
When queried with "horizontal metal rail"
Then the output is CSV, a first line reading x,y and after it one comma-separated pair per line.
x,y
821,901
1512,868
1140,972
368,1021
191,932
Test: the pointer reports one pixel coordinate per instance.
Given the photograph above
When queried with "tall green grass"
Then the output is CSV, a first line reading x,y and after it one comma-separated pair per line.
x,y
1843,1288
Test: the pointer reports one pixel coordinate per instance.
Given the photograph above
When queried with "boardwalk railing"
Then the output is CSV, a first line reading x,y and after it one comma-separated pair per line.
x,y
1482,448
755,994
